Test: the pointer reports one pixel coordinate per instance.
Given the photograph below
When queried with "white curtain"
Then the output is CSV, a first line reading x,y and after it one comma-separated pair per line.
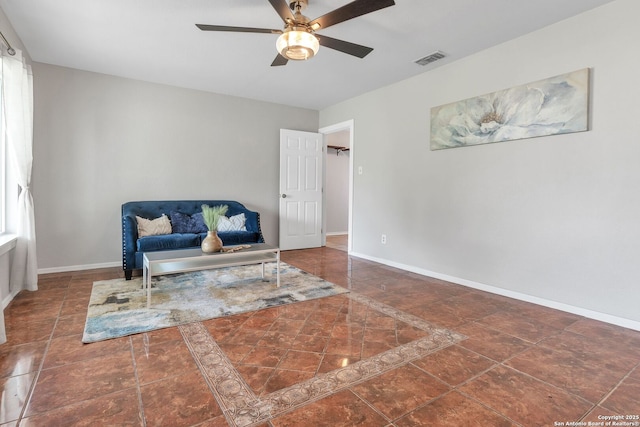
x,y
17,127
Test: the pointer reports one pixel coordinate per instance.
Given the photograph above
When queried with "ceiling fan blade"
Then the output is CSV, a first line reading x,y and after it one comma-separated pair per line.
x,y
343,46
352,10
282,7
205,27
280,60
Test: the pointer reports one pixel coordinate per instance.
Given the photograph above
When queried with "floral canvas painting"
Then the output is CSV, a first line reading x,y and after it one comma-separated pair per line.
x,y
552,106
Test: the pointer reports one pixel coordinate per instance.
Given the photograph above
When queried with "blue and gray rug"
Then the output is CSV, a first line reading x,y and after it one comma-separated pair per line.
x,y
119,307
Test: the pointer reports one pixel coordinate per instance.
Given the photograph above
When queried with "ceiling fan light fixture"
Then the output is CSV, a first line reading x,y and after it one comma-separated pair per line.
x,y
297,45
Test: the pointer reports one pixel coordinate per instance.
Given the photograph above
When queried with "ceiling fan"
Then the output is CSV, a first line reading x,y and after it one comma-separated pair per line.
x,y
298,40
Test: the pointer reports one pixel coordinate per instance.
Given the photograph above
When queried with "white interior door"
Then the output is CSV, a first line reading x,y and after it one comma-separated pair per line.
x,y
301,179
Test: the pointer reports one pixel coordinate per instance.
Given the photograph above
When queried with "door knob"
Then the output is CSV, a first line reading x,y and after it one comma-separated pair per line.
x,y
284,196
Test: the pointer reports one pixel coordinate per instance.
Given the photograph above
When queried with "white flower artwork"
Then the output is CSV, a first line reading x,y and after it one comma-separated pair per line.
x,y
552,106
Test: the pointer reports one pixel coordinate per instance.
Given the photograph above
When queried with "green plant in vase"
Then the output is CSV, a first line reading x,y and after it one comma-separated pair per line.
x,y
211,215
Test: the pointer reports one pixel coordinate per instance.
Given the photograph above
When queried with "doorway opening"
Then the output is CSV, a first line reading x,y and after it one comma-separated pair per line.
x,y
338,176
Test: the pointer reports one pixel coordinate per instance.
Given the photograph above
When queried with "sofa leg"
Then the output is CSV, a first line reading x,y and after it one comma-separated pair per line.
x,y
128,274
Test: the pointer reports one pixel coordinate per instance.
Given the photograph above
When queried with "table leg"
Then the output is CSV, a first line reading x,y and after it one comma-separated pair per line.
x,y
147,284
278,268
146,280
145,269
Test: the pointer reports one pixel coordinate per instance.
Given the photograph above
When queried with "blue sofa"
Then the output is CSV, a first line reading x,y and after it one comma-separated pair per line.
x,y
134,246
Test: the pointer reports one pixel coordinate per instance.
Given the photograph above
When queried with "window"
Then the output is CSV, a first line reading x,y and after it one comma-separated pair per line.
x,y
9,188
7,220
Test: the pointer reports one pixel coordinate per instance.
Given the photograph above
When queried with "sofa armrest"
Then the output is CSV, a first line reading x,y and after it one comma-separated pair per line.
x,y
129,239
253,223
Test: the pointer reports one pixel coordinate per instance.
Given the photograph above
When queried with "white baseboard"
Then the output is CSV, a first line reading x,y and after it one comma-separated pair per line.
x,y
78,267
337,233
8,299
596,315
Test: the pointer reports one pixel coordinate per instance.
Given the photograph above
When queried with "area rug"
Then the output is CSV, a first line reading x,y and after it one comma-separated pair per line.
x,y
118,307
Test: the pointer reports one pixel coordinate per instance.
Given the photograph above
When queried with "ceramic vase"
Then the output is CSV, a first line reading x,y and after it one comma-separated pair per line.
x,y
212,242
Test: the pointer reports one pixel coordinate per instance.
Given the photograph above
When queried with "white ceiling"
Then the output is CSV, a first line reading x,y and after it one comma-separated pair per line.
x,y
157,41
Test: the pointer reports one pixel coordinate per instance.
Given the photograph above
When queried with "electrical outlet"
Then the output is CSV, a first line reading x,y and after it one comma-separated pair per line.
x,y
383,239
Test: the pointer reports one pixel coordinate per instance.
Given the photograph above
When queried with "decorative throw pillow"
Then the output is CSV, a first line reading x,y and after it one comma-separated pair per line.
x,y
234,223
184,223
153,227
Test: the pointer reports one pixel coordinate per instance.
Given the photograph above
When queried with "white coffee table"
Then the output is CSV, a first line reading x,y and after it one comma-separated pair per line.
x,y
183,260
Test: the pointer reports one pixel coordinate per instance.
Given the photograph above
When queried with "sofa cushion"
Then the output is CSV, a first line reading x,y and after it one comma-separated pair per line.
x,y
234,223
167,242
153,227
185,223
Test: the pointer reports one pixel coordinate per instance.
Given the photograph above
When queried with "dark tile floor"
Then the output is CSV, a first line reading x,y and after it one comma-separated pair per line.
x,y
520,364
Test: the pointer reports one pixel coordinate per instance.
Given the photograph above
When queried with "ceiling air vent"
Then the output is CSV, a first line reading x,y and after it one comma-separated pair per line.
x,y
430,58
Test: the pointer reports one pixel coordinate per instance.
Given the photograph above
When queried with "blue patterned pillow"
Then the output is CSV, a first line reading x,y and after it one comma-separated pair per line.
x,y
183,223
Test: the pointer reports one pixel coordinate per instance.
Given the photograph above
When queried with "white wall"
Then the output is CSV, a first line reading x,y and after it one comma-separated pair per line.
x,y
337,184
100,141
555,219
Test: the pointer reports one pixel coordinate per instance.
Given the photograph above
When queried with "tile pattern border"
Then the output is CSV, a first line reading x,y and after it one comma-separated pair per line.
x,y
241,406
